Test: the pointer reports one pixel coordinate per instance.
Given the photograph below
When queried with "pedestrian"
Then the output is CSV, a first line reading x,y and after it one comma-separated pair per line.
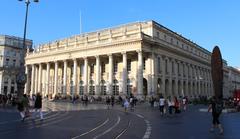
x,y
184,103
126,104
161,104
38,106
108,102
26,105
176,105
131,100
112,100
152,101
216,106
20,107
170,105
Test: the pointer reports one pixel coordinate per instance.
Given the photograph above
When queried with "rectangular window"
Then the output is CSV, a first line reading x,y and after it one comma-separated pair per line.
x,y
115,89
159,65
178,69
129,65
129,89
103,67
144,63
81,70
14,63
92,69
172,67
115,67
166,66
7,62
158,34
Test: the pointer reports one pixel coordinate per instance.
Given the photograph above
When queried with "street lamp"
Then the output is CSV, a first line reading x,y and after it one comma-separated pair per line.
x,y
21,77
27,2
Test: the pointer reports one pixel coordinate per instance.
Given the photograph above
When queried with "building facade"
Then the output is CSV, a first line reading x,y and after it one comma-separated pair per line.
x,y
11,58
143,58
233,80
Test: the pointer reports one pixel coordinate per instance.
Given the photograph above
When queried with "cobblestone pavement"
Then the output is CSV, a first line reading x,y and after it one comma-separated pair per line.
x,y
64,120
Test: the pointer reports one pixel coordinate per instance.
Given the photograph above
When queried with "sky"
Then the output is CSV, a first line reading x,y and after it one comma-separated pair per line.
x,y
205,22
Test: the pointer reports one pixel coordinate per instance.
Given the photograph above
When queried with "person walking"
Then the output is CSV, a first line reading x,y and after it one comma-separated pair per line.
x,y
38,106
108,102
170,105
126,105
161,104
216,106
112,100
184,103
20,107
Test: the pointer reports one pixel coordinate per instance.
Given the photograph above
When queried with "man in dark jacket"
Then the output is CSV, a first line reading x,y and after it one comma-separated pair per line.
x,y
38,106
216,107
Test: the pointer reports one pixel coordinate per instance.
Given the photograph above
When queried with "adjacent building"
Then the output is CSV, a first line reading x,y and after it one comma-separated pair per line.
x,y
11,58
142,58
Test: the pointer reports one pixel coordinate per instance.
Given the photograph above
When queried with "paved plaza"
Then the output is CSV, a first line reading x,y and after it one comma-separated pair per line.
x,y
64,120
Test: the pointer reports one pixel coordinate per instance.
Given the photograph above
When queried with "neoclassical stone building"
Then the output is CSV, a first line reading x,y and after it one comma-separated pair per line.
x,y
143,58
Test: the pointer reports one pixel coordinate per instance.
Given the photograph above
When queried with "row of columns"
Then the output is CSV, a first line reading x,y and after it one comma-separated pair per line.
x,y
36,75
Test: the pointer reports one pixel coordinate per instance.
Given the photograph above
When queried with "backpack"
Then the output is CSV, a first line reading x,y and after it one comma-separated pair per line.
x,y
218,107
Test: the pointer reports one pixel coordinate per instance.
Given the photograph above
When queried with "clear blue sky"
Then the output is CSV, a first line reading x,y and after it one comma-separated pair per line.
x,y
206,22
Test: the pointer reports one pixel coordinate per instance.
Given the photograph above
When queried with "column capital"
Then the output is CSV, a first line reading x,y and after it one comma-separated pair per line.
x,y
97,56
139,51
124,52
110,55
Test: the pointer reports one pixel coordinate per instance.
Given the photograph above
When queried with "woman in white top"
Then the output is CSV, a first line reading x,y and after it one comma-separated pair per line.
x,y
161,104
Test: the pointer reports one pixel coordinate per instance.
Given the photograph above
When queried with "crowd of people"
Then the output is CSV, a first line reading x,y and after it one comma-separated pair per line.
x,y
22,102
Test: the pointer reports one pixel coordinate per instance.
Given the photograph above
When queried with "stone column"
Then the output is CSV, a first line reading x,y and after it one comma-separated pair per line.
x,y
36,80
85,75
140,73
187,80
47,79
26,89
163,77
170,77
9,85
97,85
55,79
74,75
110,79
40,78
65,77
124,74
154,70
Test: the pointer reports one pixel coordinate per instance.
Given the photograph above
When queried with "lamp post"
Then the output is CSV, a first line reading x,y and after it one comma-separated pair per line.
x,y
21,77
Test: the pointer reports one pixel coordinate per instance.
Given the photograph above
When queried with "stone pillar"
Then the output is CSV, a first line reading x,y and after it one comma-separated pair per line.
x,y
40,78
163,77
9,85
36,80
154,70
47,79
140,73
187,80
74,76
26,89
97,85
110,74
124,74
170,77
55,79
32,80
65,77
85,75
